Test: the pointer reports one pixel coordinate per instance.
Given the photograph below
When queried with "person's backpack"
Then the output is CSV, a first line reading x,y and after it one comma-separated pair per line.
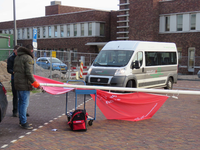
x,y
78,120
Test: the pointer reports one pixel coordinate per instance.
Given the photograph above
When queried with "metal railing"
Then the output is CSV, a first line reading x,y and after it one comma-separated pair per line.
x,y
70,58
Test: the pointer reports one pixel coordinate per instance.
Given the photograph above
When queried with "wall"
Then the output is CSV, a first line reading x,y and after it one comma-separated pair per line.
x,y
184,40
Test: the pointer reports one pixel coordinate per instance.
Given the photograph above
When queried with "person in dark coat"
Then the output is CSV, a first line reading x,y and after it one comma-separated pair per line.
x,y
10,64
23,81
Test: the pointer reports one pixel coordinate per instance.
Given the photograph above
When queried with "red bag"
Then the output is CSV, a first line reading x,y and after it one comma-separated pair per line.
x,y
78,120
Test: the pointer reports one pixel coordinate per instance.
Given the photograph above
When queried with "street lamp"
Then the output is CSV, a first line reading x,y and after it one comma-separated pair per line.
x,y
15,28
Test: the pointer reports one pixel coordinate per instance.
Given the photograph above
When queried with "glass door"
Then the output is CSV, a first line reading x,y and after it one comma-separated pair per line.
x,y
191,59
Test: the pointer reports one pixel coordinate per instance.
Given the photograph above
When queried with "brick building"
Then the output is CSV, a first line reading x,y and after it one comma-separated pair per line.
x,y
66,28
87,30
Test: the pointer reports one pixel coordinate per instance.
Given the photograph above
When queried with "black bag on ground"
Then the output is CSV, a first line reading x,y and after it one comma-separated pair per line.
x,y
78,120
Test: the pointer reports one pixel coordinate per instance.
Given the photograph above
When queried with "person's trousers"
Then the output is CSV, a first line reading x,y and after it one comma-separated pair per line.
x,y
15,98
23,105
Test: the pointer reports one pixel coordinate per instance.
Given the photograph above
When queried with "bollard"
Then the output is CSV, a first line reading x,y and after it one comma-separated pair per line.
x,y
81,70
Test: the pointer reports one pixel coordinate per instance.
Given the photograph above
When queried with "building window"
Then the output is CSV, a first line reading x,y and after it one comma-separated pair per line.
x,y
49,32
28,33
55,31
191,58
10,31
68,30
18,34
102,29
75,29
82,29
193,22
44,32
61,31
23,34
179,22
89,29
74,56
167,23
38,32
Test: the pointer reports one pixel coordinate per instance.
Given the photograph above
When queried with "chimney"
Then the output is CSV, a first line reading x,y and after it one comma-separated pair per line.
x,y
55,2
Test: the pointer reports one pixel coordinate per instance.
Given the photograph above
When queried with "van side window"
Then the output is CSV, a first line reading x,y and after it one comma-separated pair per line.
x,y
160,58
139,58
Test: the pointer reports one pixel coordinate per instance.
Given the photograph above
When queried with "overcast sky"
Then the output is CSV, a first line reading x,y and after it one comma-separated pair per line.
x,y
36,8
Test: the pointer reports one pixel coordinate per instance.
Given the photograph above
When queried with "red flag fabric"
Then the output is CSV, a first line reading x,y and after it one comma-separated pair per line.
x,y
52,90
129,106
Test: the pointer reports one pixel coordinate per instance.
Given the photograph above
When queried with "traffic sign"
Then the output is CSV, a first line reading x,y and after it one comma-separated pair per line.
x,y
35,38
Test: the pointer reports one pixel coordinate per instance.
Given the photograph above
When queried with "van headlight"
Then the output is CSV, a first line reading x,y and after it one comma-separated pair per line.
x,y
89,71
120,72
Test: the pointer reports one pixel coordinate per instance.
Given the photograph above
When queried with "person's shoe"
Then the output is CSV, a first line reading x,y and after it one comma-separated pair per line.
x,y
27,115
26,126
30,124
14,115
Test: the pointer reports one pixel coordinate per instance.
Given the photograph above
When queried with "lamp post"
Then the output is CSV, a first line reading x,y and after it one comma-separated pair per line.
x,y
15,28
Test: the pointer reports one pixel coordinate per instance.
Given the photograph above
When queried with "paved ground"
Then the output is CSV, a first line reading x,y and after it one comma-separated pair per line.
x,y
175,126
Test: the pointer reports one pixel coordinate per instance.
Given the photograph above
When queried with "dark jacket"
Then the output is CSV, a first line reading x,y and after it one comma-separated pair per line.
x,y
10,64
23,69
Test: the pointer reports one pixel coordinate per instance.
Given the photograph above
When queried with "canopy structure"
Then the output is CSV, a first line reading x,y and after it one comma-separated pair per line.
x,y
50,89
130,106
127,106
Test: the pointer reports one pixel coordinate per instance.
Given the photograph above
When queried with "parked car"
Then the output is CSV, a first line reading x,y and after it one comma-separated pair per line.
x,y
3,102
57,64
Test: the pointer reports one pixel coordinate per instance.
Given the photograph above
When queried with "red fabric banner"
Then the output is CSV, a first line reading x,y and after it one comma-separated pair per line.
x,y
129,106
52,90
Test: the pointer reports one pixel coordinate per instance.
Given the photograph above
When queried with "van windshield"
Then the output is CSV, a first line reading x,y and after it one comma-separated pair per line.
x,y
113,58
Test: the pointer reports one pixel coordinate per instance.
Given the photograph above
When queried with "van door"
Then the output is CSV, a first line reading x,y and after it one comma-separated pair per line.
x,y
139,72
158,67
155,75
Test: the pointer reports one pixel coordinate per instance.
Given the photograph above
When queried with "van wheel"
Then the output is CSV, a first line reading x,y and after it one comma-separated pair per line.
x,y
129,83
169,84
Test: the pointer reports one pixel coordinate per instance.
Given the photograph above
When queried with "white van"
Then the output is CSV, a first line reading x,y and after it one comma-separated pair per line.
x,y
138,64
